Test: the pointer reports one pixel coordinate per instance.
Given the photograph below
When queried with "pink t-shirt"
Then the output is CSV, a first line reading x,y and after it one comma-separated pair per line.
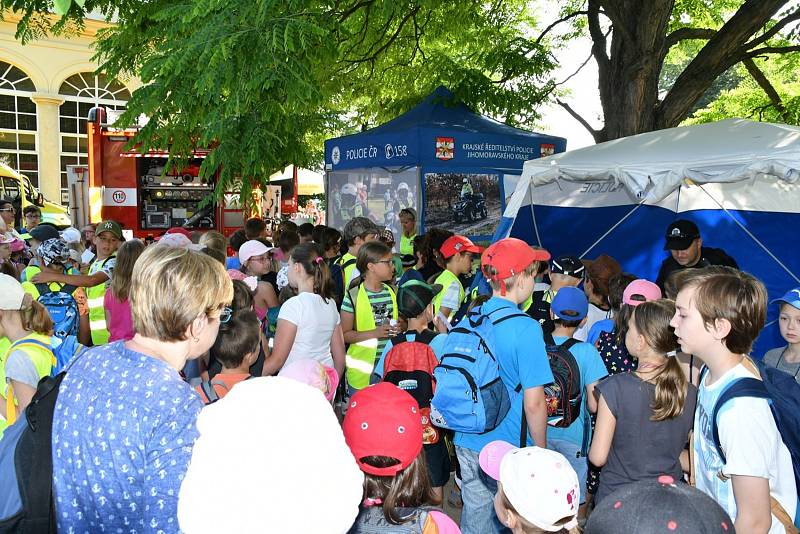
x,y
121,325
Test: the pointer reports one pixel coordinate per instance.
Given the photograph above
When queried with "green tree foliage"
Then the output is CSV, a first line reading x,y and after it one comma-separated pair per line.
x,y
263,82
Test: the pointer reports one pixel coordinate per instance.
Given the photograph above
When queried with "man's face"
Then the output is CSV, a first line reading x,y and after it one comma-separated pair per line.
x,y
32,219
88,235
7,211
690,255
107,243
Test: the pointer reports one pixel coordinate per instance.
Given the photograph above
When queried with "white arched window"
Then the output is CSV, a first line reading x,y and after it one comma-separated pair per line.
x,y
18,122
81,92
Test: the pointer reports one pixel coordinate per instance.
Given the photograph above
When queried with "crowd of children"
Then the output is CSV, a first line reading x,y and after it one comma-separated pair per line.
x,y
287,382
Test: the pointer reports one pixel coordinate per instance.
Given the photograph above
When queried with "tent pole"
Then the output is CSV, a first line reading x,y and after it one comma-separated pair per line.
x,y
533,215
636,207
754,238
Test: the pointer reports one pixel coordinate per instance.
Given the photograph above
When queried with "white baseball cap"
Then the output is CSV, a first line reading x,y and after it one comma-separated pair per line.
x,y
539,483
71,235
11,293
252,248
290,470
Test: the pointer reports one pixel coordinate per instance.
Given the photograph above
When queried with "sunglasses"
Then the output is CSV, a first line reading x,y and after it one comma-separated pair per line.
x,y
7,209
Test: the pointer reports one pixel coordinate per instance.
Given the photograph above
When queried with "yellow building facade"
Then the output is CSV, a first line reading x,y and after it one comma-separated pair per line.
x,y
46,90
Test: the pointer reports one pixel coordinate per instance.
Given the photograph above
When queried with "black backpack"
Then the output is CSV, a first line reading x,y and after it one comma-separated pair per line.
x,y
540,311
26,465
564,394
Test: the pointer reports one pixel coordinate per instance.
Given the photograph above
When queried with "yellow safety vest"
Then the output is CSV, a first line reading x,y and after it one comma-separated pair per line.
x,y
361,356
407,244
444,279
348,264
97,312
42,359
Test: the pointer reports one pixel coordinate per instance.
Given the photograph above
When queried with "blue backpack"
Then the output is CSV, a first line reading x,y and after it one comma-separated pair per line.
x,y
62,307
783,394
470,396
63,349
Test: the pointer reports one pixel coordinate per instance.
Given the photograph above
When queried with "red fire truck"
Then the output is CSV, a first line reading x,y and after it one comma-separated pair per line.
x,y
132,188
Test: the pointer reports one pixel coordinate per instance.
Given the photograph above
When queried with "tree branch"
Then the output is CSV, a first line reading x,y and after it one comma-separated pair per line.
x,y
565,18
768,88
772,50
578,118
683,34
767,35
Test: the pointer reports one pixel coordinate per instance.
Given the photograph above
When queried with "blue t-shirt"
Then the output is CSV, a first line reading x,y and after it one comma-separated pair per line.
x,y
233,263
411,274
603,325
123,432
436,344
519,348
592,369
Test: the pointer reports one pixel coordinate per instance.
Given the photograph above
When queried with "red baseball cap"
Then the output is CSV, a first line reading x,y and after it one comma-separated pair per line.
x,y
510,257
383,420
458,243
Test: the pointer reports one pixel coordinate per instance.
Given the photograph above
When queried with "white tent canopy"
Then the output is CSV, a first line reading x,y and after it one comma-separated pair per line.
x,y
654,164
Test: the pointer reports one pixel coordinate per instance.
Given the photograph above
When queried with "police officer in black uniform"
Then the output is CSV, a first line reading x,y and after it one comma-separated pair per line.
x,y
687,251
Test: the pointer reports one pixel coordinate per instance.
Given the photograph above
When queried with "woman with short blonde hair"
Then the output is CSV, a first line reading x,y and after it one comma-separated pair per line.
x,y
124,407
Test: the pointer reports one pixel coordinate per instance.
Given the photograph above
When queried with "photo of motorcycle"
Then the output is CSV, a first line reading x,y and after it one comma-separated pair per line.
x,y
471,208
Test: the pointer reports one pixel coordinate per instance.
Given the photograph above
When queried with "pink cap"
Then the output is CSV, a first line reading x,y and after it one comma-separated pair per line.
x,y
251,281
314,374
639,291
491,455
252,248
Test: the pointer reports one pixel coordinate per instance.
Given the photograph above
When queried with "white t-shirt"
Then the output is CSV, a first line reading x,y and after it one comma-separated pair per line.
x,y
595,314
315,320
751,443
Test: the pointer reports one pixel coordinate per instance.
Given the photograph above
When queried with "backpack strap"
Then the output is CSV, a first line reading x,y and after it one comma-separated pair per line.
x,y
208,389
425,337
43,288
743,387
399,338
568,344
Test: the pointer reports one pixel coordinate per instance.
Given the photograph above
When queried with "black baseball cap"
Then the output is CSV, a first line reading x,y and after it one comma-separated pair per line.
x,y
680,235
414,296
569,265
43,232
658,506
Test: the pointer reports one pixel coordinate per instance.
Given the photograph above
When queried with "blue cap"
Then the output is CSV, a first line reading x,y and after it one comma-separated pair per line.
x,y
792,298
570,304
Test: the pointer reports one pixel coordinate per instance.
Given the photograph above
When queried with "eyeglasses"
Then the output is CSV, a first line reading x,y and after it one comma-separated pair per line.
x,y
33,216
225,315
260,259
387,262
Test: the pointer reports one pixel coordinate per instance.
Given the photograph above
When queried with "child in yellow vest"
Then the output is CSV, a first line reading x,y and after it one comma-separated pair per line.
x,y
369,313
357,231
108,238
457,251
22,364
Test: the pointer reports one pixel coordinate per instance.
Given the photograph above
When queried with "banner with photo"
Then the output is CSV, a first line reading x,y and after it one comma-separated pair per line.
x,y
376,193
464,203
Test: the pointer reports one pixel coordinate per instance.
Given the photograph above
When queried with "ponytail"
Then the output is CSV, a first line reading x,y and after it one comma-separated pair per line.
x,y
35,318
652,322
310,257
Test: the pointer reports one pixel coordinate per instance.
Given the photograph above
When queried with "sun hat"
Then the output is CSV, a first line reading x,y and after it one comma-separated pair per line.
x,y
681,234
658,506
791,297
178,240
109,226
539,483
252,248
458,243
11,293
639,291
54,251
383,420
289,469
314,374
509,257
71,235
569,265
43,232
570,304
414,296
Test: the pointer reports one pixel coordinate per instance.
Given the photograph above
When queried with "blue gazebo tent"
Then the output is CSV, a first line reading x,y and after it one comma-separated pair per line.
x,y
424,158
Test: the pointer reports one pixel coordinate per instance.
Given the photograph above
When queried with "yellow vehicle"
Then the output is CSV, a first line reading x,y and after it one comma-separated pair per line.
x,y
19,189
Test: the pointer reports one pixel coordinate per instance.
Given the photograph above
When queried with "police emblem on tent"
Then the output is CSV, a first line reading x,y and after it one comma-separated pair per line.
x,y
445,148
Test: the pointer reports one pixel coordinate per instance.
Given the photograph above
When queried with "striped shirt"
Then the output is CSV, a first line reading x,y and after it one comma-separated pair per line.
x,y
382,309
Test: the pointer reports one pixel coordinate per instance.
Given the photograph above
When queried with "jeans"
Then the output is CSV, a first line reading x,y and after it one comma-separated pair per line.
x,y
477,492
572,452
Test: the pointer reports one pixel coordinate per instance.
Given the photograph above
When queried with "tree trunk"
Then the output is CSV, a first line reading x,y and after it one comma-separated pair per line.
x,y
629,76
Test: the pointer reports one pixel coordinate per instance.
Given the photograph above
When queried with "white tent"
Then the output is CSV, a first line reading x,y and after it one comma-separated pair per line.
x,y
739,180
